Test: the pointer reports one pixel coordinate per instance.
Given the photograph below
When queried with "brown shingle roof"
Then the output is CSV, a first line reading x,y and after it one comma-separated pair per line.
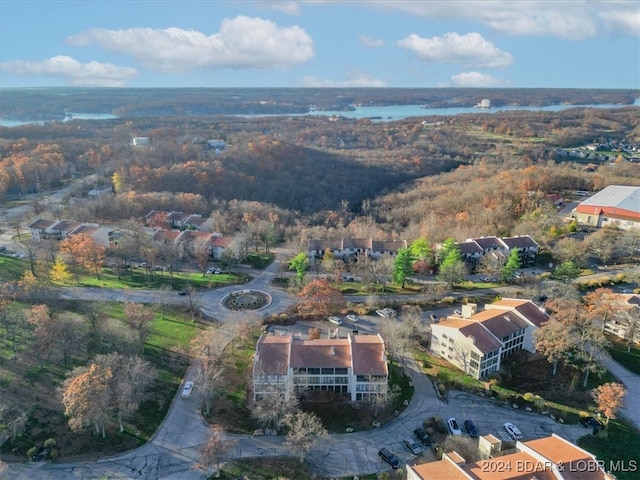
x,y
41,224
66,226
522,241
273,354
489,242
526,308
320,353
368,355
500,323
482,337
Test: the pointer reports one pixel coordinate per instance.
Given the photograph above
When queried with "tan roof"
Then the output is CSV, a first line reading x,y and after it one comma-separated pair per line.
x,y
194,236
516,466
440,470
579,464
320,353
368,355
526,308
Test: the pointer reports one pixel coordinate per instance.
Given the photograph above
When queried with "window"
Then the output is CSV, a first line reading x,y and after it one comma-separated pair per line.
x,y
341,371
444,335
314,371
327,371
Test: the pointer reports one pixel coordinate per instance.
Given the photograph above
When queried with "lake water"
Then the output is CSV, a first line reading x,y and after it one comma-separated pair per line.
x,y
383,114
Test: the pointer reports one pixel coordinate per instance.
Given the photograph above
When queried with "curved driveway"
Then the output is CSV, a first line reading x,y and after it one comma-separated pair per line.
x,y
173,450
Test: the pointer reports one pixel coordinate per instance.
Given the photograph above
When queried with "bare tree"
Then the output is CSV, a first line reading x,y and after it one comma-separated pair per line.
x,y
304,431
139,317
216,449
273,405
208,350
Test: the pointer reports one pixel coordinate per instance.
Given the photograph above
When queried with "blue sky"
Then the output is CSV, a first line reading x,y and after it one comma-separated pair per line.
x,y
318,43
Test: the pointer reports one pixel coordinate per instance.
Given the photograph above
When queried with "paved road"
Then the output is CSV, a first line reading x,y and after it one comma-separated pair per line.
x,y
173,451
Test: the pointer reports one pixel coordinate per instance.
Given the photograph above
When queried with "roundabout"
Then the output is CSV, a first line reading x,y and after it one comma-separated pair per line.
x,y
242,300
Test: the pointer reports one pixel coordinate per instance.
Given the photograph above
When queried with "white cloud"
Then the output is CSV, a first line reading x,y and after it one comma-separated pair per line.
x,y
469,49
622,21
372,42
74,73
354,80
290,7
242,42
574,20
477,80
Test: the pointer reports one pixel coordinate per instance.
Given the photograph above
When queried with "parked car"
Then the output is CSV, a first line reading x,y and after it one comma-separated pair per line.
x,y
182,292
434,318
485,279
187,389
386,312
457,313
454,428
353,318
513,431
422,436
389,457
412,446
590,422
471,428
335,320
214,271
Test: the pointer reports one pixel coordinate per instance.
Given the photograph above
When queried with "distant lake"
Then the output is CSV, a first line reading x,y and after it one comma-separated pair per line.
x,y
387,113
79,116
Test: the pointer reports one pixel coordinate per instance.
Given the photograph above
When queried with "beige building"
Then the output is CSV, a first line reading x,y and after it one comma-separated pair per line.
x,y
477,341
549,458
355,366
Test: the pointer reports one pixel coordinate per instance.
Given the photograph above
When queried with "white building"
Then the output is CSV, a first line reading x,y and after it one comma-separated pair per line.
x,y
477,341
355,366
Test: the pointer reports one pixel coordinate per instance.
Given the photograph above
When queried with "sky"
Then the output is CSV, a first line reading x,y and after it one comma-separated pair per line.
x,y
320,43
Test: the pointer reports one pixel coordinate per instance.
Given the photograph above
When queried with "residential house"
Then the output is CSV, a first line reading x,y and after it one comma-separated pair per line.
x,y
99,192
179,220
616,206
219,244
192,240
471,252
478,341
491,245
351,249
355,366
42,228
526,246
628,310
548,458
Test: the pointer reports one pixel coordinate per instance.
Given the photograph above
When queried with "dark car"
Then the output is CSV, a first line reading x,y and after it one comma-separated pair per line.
x,y
590,422
389,457
471,428
182,292
422,436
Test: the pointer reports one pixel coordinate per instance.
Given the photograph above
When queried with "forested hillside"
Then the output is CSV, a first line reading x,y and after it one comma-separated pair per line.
x,y
442,176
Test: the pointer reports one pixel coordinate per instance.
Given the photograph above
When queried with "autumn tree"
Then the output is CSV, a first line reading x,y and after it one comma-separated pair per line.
x,y
202,255
601,305
85,251
403,266
552,341
631,321
86,398
319,299
60,272
130,380
609,398
215,450
304,429
140,318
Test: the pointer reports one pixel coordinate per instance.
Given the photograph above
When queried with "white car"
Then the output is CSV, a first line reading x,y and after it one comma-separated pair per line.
x,y
214,271
335,320
454,428
352,318
434,318
386,312
187,389
457,313
513,431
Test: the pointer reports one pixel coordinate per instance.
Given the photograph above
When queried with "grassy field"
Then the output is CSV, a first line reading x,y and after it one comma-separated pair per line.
x,y
618,351
12,269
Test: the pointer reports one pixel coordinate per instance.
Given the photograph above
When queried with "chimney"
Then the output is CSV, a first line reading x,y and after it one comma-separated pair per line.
x,y
469,309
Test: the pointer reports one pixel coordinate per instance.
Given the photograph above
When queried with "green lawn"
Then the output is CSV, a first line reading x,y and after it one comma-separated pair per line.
x,y
618,447
267,468
618,351
11,269
260,260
